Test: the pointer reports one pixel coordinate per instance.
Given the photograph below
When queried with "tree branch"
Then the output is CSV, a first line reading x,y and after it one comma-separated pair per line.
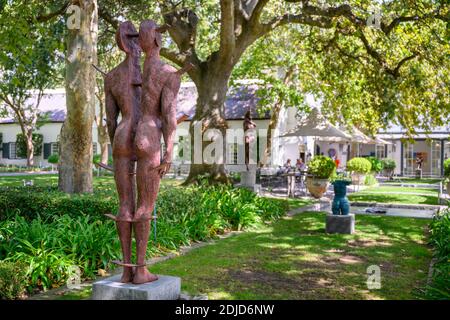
x,y
51,15
227,36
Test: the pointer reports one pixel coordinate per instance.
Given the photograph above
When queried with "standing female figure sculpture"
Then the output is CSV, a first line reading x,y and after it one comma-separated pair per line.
x,y
160,86
122,95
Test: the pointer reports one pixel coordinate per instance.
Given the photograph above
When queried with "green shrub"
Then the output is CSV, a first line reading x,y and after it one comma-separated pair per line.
x,y
376,164
54,158
321,167
359,165
98,157
388,164
439,288
12,280
370,180
50,232
447,168
30,202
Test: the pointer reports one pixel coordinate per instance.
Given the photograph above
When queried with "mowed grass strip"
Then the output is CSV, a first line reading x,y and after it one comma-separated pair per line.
x,y
295,259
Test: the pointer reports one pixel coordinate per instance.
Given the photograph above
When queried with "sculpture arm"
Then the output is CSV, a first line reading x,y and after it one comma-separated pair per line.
x,y
112,113
169,119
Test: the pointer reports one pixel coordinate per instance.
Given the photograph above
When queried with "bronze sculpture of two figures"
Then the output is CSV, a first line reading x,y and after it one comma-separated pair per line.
x,y
147,104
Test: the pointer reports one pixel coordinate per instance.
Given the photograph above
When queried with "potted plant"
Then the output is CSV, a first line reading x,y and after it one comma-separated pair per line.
x,y
320,169
388,167
359,167
447,174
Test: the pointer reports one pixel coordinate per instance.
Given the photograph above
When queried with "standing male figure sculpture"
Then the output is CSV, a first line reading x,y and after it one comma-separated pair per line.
x,y
122,95
249,138
160,86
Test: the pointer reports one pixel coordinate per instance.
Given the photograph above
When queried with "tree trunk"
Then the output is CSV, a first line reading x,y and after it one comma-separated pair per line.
x,y
75,172
102,129
212,91
30,148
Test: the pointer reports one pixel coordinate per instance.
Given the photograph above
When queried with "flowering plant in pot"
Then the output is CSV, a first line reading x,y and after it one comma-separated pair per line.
x,y
320,169
359,167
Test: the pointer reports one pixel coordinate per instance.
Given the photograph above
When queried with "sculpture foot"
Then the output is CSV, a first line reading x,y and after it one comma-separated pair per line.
x,y
127,275
142,275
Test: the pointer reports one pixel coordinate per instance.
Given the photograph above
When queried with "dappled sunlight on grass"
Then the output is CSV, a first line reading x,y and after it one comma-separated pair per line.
x,y
296,259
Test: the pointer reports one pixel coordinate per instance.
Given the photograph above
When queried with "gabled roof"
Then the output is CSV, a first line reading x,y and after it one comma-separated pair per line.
x,y
240,99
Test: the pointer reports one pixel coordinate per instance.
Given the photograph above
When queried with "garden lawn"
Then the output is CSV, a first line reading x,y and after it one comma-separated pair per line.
x,y
414,181
295,259
49,180
406,195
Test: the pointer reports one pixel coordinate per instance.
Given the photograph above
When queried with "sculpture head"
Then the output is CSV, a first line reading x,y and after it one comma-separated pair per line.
x,y
127,38
150,38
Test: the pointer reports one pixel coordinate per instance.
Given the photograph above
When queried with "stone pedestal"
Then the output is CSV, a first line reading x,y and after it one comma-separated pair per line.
x,y
165,288
344,224
248,178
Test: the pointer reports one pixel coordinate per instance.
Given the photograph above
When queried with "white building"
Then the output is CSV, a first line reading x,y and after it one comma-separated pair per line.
x,y
239,101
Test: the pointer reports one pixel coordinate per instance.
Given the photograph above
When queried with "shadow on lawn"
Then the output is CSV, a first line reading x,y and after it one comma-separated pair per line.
x,y
296,259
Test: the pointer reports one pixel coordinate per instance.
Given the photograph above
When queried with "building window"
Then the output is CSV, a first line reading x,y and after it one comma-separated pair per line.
x,y
12,150
94,148
55,148
380,151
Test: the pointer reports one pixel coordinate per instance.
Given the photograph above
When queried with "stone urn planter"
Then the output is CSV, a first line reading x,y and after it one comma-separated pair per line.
x,y
317,187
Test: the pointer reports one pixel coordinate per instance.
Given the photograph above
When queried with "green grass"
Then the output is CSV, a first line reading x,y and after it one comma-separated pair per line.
x,y
414,180
295,259
399,190
393,198
388,194
49,180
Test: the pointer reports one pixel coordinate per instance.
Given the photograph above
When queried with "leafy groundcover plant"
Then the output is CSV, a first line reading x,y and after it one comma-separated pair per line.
x,y
50,232
439,288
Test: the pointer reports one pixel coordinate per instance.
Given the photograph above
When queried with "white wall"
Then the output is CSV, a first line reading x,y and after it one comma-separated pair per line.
x,y
50,132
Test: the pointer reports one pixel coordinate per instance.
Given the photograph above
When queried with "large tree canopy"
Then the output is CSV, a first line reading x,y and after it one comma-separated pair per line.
x,y
366,78
397,70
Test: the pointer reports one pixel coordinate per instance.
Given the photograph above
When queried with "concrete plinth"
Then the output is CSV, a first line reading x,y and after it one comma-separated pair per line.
x,y
344,224
165,288
248,178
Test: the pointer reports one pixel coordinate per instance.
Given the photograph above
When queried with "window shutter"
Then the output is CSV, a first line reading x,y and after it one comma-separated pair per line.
x,y
5,151
47,150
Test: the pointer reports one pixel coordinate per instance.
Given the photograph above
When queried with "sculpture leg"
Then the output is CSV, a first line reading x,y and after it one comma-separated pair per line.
x,y
335,206
123,166
124,231
345,206
141,231
126,190
148,187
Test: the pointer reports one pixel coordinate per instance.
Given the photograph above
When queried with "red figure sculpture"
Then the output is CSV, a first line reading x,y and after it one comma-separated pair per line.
x,y
160,86
123,93
248,125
